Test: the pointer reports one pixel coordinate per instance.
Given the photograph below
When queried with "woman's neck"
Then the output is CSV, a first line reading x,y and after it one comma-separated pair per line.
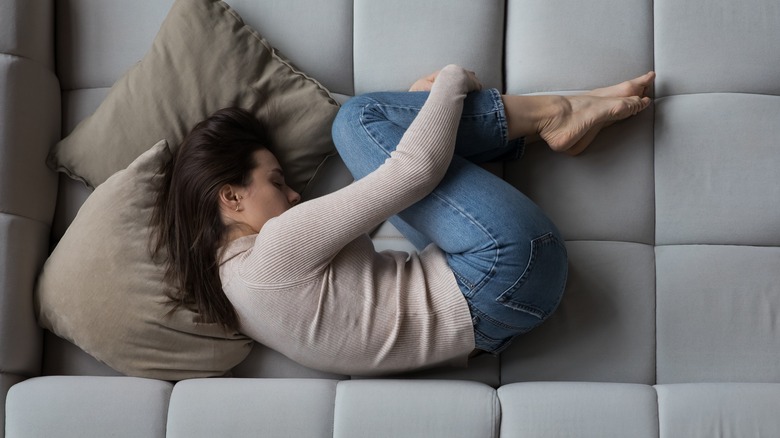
x,y
238,230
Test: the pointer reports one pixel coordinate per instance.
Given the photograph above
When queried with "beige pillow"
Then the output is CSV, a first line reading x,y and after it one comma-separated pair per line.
x,y
100,289
204,58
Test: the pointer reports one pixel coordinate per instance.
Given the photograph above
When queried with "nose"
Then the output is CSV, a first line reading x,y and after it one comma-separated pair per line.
x,y
293,197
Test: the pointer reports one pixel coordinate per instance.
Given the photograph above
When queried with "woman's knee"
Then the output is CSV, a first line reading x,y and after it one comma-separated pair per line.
x,y
347,126
344,124
528,301
362,134
348,133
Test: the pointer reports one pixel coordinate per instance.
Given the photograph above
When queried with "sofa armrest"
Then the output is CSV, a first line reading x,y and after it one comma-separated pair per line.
x,y
30,116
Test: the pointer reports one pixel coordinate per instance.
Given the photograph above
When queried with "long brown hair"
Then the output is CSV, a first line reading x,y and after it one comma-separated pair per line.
x,y
189,227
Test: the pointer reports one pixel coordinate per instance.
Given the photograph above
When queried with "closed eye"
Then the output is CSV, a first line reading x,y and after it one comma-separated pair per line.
x,y
277,177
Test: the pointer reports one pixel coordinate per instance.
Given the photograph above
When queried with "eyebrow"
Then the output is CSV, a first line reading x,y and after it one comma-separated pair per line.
x,y
278,172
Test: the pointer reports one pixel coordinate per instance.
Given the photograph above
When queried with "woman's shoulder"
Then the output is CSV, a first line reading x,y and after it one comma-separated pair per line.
x,y
235,248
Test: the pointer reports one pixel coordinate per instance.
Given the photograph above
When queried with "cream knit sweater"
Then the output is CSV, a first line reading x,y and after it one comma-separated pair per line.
x,y
311,286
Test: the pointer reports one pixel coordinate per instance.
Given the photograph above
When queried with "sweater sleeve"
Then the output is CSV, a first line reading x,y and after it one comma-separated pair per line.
x,y
297,245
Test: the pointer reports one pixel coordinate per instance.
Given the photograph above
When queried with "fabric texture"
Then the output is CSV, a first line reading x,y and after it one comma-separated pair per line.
x,y
209,408
422,408
311,286
578,409
728,410
101,289
70,406
204,58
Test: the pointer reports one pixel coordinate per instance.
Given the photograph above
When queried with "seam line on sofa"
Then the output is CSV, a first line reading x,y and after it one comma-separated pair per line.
x,y
738,245
19,216
631,242
66,90
27,58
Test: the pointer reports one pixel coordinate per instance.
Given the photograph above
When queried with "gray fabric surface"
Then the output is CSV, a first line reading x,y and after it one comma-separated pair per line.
x,y
604,328
71,194
265,362
85,407
724,410
98,41
574,45
17,19
386,408
79,104
23,247
484,369
29,125
252,407
76,106
622,189
6,382
718,312
718,46
316,34
62,358
604,194
696,174
578,409
435,33
718,183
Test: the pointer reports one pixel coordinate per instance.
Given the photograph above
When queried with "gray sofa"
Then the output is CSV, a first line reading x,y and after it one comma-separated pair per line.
x,y
670,326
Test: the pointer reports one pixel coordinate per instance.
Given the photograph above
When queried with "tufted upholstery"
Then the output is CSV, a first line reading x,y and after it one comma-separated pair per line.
x,y
669,326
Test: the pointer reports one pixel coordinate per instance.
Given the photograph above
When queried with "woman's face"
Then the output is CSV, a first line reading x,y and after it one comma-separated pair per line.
x,y
267,196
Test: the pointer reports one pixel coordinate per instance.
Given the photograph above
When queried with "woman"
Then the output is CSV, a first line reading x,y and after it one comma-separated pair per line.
x,y
304,278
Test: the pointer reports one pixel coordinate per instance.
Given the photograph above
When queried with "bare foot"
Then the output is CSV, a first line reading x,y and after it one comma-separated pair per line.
x,y
633,87
576,116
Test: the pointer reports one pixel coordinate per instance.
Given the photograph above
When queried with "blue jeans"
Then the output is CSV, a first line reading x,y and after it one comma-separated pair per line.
x,y
507,257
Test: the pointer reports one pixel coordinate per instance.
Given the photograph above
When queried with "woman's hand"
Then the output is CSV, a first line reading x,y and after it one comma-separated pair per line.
x,y
425,83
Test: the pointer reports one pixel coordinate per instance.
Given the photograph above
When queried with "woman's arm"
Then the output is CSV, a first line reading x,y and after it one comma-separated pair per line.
x,y
295,245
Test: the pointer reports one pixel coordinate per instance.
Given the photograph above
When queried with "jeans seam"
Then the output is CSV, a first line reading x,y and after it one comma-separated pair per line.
x,y
462,279
368,131
543,240
500,110
482,315
481,283
500,114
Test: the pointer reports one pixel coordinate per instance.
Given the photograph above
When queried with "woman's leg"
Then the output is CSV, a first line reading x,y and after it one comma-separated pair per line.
x,y
570,124
507,257
382,118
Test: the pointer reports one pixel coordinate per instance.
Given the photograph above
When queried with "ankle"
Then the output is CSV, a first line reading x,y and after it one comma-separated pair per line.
x,y
552,110
527,116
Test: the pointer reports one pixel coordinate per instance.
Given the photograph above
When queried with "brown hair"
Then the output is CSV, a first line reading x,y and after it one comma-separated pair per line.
x,y
218,151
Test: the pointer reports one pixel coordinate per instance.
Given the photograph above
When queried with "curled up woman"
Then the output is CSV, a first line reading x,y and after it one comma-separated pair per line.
x,y
305,279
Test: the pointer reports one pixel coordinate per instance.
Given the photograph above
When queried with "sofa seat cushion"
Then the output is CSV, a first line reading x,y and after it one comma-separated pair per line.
x,y
728,410
542,409
252,407
65,406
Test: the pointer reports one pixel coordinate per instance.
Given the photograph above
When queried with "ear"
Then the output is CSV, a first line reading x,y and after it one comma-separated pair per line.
x,y
227,197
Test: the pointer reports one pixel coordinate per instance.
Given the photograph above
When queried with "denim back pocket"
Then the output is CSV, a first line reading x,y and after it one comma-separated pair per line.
x,y
539,289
